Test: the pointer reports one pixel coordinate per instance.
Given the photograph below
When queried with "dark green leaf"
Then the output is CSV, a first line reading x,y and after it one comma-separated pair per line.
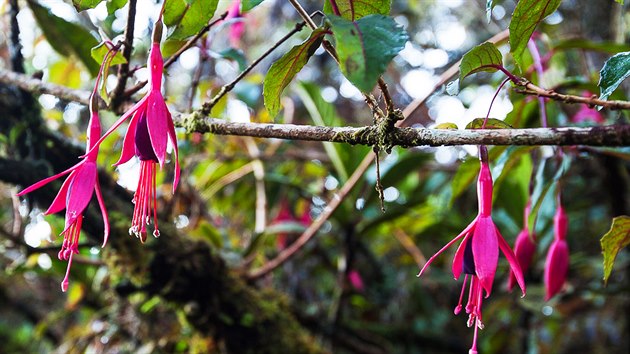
x,y
247,5
492,123
613,241
355,9
282,71
527,15
366,46
67,38
81,5
604,47
484,57
187,17
615,70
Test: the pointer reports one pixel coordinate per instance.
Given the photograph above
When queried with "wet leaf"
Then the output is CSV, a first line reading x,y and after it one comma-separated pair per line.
x,y
484,57
527,15
615,70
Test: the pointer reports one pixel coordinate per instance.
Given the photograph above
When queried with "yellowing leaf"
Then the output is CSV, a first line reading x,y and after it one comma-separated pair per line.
x,y
613,241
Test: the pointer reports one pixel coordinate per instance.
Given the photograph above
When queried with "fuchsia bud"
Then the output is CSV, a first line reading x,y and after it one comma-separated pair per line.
x,y
557,264
524,248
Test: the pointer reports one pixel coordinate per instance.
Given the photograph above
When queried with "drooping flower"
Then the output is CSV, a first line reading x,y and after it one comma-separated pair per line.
x,y
557,264
478,253
524,248
150,130
76,193
238,27
586,113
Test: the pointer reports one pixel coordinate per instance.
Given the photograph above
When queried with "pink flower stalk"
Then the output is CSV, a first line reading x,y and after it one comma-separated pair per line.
x,y
557,264
76,192
478,253
150,130
524,248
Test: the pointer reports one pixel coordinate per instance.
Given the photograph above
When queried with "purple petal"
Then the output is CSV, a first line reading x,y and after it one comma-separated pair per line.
x,y
157,123
458,260
462,234
143,149
128,150
59,203
485,251
556,268
81,189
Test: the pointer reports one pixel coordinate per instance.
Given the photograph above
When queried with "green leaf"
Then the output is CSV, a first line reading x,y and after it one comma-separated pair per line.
x,y
613,241
446,126
247,5
282,71
619,1
81,5
527,15
188,16
67,38
237,55
484,57
615,70
355,9
98,54
113,5
492,123
366,46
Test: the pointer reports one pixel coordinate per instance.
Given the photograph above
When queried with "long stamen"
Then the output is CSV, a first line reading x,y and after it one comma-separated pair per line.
x,y
458,308
473,348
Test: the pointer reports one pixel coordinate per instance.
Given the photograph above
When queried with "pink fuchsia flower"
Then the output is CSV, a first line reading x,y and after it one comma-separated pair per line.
x,y
355,279
524,248
75,194
150,130
478,253
557,264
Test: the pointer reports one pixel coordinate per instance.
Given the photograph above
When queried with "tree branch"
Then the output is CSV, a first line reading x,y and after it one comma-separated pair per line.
x,y
123,69
531,89
614,135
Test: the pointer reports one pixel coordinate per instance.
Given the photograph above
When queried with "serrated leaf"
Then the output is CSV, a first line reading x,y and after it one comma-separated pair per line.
x,y
247,5
613,241
366,46
492,123
67,38
446,126
284,69
484,57
187,17
355,9
81,5
527,15
615,70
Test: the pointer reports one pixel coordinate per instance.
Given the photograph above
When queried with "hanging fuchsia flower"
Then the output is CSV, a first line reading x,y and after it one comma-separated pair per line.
x,y
149,132
586,113
478,253
524,248
76,192
557,264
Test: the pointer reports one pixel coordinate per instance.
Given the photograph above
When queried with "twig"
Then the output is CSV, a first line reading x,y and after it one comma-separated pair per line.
x,y
305,16
123,69
173,58
531,89
37,86
207,106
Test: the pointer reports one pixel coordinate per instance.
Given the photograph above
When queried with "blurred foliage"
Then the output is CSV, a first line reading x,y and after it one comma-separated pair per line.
x,y
429,193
